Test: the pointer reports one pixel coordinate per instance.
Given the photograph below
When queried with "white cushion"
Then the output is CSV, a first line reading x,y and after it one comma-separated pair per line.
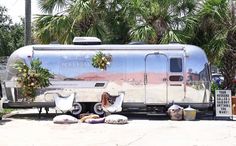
x,y
116,119
64,119
95,121
64,103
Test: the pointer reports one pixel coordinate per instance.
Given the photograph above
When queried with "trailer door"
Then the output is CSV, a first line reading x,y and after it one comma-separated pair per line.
x,y
176,87
156,78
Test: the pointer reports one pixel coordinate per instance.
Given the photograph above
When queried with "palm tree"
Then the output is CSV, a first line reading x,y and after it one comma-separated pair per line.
x,y
117,26
215,32
71,18
65,19
228,68
210,32
159,21
116,21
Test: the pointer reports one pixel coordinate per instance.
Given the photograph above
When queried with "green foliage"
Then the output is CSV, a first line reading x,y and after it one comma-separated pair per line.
x,y
75,18
161,21
214,87
48,6
103,19
217,35
101,60
5,111
31,78
11,35
114,21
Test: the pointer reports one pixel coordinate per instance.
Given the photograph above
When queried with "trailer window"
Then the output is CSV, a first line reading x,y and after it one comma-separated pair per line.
x,y
99,84
176,65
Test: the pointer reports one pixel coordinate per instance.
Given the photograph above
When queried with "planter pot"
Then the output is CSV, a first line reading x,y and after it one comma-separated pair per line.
x,y
175,112
189,114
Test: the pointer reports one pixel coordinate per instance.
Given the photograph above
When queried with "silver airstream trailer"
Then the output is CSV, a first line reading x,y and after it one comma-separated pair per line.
x,y
152,76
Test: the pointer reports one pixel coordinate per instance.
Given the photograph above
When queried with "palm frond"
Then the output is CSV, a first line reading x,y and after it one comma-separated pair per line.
x,y
96,30
48,6
143,33
173,36
50,28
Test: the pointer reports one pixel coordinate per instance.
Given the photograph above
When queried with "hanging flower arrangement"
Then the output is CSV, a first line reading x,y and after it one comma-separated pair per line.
x,y
32,77
101,60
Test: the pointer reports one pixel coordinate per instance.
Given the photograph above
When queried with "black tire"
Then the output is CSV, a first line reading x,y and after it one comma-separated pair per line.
x,y
78,108
96,108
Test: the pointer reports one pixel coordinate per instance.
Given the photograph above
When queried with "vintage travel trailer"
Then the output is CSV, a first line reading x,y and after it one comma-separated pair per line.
x,y
153,77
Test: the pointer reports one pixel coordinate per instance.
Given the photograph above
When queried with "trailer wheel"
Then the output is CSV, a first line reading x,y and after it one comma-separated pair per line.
x,y
97,109
77,108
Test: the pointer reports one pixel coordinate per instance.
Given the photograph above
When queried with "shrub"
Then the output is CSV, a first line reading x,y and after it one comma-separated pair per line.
x,y
32,77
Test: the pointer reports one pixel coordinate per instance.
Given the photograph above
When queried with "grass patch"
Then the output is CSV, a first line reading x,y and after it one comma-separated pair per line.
x,y
6,111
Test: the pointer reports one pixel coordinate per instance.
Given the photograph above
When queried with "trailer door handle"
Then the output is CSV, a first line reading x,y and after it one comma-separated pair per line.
x,y
145,79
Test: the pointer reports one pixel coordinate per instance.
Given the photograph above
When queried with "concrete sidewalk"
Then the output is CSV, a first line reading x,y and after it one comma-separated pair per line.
x,y
139,131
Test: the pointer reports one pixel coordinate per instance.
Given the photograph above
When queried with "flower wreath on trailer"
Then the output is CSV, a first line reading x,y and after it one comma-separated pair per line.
x,y
101,60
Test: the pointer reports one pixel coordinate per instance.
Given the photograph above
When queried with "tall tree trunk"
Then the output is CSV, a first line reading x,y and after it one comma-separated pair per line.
x,y
233,9
27,34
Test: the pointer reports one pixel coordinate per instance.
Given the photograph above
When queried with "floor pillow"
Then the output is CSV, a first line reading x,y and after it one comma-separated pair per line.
x,y
95,121
91,116
64,119
116,119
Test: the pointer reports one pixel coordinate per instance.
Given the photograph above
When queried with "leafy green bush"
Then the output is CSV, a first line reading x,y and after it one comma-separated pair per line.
x,y
32,77
214,86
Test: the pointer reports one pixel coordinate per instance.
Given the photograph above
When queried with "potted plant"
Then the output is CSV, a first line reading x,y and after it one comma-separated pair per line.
x,y
101,60
30,78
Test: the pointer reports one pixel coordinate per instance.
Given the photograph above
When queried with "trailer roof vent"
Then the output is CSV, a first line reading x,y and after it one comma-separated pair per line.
x,y
86,41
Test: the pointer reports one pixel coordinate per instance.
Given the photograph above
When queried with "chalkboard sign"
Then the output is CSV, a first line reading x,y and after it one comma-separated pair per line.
x,y
223,103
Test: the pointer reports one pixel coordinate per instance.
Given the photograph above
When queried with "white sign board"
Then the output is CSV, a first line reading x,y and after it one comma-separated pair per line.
x,y
223,103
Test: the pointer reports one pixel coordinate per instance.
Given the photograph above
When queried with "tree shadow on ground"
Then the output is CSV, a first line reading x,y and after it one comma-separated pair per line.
x,y
4,121
131,116
34,116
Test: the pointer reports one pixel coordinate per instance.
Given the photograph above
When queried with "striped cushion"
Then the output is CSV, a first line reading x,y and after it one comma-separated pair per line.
x,y
116,119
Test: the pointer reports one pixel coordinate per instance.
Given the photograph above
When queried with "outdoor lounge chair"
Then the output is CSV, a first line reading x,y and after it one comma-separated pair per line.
x,y
117,106
62,103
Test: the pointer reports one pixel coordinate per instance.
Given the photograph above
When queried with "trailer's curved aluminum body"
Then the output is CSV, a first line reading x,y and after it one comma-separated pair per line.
x,y
149,74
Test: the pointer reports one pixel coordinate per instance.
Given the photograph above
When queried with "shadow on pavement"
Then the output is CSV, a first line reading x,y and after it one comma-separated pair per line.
x,y
34,116
131,116
4,121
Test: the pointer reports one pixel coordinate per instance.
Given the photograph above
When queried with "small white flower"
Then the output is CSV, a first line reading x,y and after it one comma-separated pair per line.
x,y
108,63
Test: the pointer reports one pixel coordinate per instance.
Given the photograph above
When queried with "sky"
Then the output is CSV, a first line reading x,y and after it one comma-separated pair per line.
x,y
16,8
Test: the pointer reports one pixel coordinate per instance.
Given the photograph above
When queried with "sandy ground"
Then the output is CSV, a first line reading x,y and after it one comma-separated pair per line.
x,y
140,131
